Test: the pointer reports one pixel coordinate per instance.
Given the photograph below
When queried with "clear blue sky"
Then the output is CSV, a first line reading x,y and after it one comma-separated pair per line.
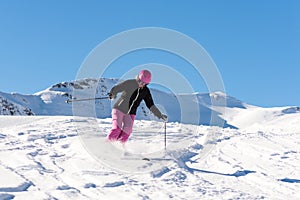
x,y
255,44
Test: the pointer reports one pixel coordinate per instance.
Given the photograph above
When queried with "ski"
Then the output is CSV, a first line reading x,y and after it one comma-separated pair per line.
x,y
135,158
147,159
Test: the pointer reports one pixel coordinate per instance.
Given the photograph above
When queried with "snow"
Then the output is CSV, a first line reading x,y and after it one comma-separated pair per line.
x,y
257,118
218,147
66,157
13,183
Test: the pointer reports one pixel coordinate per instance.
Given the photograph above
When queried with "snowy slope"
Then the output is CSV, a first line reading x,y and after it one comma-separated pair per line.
x,y
256,118
63,157
54,155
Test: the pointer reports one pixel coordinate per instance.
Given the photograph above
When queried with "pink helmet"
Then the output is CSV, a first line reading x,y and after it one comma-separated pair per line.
x,y
145,76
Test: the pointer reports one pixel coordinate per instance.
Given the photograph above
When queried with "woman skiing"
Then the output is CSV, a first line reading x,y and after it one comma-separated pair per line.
x,y
124,110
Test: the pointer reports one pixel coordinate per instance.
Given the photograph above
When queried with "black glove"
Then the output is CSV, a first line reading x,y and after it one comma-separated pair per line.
x,y
164,117
111,96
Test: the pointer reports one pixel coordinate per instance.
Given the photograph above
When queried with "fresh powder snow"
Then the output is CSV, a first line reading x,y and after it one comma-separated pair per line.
x,y
254,154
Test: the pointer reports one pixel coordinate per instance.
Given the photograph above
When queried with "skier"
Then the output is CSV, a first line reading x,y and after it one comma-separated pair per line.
x,y
124,110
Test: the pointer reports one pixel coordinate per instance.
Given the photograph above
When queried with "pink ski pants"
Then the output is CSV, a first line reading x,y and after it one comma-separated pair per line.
x,y
121,126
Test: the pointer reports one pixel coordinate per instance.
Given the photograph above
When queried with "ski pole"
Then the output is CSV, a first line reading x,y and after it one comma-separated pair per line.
x,y
165,136
88,99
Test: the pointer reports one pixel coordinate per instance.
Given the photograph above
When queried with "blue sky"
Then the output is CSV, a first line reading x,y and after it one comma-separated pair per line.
x,y
255,44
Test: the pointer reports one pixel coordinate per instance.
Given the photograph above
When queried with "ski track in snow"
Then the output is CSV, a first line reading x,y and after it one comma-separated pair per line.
x,y
43,158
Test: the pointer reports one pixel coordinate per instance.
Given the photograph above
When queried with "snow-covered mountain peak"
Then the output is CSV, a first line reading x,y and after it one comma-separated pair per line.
x,y
81,84
227,111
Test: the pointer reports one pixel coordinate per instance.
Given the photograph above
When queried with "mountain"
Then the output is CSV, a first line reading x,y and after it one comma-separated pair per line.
x,y
214,108
9,107
52,101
